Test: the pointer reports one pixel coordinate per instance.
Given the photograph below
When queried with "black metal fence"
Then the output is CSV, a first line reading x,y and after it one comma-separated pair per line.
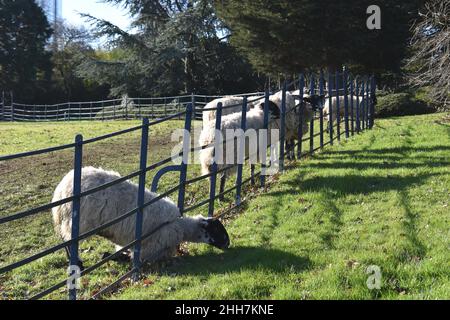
x,y
357,94
115,109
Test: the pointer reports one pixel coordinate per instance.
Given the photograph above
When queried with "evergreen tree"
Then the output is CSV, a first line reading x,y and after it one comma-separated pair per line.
x,y
24,62
174,48
289,36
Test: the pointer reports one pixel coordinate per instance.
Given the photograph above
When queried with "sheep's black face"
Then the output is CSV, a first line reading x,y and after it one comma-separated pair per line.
x,y
216,234
274,111
316,101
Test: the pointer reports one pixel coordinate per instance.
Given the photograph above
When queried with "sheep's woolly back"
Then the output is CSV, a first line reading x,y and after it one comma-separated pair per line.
x,y
106,205
255,121
326,109
209,116
226,101
292,119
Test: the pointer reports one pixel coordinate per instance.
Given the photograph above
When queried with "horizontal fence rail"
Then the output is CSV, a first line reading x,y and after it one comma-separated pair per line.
x,y
114,109
349,109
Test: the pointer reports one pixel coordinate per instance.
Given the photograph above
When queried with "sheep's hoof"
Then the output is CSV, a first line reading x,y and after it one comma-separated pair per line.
x,y
122,257
80,265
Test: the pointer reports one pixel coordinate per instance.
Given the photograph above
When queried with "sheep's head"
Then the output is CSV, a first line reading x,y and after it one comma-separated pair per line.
x,y
274,110
214,233
315,101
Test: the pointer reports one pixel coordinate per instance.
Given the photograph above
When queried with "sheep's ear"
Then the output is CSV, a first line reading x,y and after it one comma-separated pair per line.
x,y
315,100
217,234
274,110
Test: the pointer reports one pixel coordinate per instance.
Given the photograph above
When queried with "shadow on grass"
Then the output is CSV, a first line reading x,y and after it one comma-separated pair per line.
x,y
413,248
356,184
377,153
241,259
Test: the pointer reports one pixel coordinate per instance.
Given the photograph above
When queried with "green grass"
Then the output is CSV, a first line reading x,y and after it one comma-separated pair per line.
x,y
29,182
382,198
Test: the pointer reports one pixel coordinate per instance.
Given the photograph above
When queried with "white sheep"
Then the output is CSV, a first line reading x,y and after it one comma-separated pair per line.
x,y
234,103
314,102
254,121
106,205
326,108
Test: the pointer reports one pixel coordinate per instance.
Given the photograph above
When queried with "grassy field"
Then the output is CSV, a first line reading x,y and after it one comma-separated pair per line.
x,y
29,182
381,198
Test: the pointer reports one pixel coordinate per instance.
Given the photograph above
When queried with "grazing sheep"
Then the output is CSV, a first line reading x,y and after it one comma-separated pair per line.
x,y
106,205
254,121
326,109
237,102
313,103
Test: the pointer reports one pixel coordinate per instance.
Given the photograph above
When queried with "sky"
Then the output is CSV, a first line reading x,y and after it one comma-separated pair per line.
x,y
71,10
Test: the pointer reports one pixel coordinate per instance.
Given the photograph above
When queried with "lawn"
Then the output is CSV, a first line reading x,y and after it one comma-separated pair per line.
x,y
29,182
382,198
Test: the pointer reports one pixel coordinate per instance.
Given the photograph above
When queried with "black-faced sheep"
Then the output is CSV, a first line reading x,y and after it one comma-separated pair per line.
x,y
254,121
106,205
326,110
230,104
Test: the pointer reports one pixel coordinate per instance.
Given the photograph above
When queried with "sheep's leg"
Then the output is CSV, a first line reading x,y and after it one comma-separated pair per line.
x,y
79,263
252,168
290,145
223,180
288,149
329,127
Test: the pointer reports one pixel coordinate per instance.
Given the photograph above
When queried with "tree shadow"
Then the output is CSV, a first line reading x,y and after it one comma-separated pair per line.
x,y
238,259
414,248
377,153
357,184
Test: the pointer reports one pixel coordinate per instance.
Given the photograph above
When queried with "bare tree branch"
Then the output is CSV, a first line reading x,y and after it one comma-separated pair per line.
x,y
431,58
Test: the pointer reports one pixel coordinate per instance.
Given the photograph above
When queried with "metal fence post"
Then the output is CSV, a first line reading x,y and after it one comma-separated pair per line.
x,y
330,107
347,125
141,198
300,116
372,101
3,106
266,127
186,153
368,105
140,109
12,106
338,109
358,107
283,126
321,93
78,162
217,144
311,124
241,151
194,105
363,106
126,107
352,107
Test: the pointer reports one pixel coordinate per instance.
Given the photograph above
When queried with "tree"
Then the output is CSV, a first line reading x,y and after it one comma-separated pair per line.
x,y
289,36
174,48
72,46
431,58
24,62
